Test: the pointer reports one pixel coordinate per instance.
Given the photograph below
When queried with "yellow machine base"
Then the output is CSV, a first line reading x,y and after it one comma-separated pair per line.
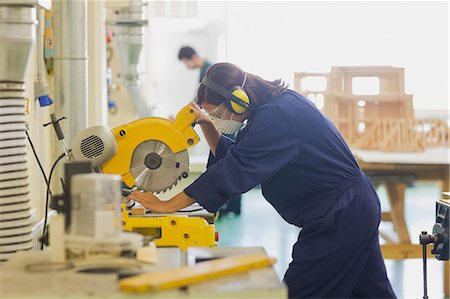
x,y
187,275
172,230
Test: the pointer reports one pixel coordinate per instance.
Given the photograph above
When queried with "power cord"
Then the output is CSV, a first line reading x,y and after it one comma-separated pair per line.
x,y
44,230
38,162
47,182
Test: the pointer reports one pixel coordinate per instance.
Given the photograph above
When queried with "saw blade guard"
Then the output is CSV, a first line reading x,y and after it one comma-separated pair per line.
x,y
178,136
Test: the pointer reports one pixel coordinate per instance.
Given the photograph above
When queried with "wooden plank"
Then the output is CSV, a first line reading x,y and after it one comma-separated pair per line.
x,y
396,196
386,216
404,251
138,211
446,279
187,275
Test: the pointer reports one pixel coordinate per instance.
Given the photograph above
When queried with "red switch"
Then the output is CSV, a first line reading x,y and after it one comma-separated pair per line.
x,y
216,236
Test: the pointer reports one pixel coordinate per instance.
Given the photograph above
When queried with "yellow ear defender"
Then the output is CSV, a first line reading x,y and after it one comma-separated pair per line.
x,y
236,98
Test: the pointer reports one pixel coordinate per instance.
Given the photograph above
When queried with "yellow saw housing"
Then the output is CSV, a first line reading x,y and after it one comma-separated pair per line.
x,y
178,135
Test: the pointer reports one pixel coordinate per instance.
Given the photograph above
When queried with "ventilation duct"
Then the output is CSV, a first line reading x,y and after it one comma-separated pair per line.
x,y
17,35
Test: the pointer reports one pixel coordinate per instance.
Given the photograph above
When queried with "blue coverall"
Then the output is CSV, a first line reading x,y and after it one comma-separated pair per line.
x,y
309,175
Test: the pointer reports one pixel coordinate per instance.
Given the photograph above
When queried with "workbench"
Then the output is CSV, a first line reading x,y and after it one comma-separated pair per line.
x,y
17,280
396,171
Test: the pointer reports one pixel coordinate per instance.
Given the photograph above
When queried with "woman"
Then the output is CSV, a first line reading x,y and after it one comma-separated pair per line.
x,y
306,171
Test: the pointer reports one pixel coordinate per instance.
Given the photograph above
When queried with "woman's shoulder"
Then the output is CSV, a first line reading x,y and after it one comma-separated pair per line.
x,y
285,105
289,99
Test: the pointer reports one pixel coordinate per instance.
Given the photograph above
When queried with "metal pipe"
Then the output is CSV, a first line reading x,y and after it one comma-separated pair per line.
x,y
129,23
70,67
17,35
98,89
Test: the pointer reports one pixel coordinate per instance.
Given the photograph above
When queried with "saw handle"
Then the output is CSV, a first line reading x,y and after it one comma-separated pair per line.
x,y
185,118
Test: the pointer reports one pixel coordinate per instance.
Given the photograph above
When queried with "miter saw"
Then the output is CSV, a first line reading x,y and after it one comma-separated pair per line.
x,y
151,155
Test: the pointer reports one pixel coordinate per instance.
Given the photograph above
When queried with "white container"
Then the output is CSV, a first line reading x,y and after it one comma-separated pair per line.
x,y
96,205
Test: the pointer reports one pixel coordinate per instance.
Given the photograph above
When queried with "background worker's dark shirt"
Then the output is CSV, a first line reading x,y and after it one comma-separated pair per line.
x,y
203,70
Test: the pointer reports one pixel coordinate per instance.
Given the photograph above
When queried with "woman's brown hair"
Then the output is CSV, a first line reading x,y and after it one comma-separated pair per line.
x,y
229,75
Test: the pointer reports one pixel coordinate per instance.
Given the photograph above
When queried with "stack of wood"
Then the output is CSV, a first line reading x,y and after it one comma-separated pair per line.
x,y
391,134
433,132
382,120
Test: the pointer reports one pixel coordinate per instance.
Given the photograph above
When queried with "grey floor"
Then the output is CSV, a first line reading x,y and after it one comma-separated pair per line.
x,y
260,225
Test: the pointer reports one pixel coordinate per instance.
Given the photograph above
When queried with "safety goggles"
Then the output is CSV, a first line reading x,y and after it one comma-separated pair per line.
x,y
219,112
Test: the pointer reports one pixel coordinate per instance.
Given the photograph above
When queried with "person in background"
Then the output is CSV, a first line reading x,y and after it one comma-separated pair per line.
x,y
192,60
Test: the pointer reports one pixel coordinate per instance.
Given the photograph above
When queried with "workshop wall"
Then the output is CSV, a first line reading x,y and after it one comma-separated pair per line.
x,y
276,39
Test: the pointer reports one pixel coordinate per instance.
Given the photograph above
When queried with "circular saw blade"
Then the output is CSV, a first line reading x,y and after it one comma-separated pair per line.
x,y
156,168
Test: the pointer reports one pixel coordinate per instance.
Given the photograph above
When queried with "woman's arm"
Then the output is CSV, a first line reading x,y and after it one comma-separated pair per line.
x,y
154,204
212,136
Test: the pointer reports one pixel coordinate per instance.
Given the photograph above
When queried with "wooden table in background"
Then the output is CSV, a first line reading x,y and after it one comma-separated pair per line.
x,y
396,171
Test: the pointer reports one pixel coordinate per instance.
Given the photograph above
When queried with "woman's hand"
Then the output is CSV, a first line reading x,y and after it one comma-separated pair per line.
x,y
202,116
209,130
148,200
153,203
